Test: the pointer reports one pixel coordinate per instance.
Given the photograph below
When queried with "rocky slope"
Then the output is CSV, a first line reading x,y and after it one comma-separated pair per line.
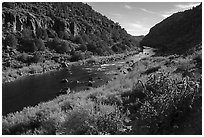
x,y
74,22
180,31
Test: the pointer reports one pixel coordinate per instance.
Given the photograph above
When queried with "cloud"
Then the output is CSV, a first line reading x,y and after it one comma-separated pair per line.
x,y
136,29
128,7
179,7
186,6
148,11
136,25
165,15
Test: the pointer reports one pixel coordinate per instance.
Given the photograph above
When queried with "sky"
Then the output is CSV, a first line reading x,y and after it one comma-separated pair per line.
x,y
138,17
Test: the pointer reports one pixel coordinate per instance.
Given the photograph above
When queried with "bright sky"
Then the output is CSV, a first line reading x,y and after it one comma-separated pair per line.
x,y
138,17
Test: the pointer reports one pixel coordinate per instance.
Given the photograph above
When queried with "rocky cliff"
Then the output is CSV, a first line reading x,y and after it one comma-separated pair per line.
x,y
76,23
178,32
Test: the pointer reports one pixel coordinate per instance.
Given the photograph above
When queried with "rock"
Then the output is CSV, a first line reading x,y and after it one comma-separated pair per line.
x,y
90,79
129,69
64,65
64,91
90,83
77,81
74,29
124,72
64,80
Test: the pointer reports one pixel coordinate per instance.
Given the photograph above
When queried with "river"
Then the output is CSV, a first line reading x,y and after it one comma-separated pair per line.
x,y
31,90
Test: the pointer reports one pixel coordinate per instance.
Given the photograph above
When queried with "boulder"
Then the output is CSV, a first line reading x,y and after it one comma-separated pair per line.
x,y
64,80
90,83
64,91
90,79
129,69
64,65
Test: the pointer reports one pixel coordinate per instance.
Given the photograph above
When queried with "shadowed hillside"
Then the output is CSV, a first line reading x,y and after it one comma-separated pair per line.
x,y
180,31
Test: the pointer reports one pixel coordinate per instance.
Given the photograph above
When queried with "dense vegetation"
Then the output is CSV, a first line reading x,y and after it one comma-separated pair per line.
x,y
178,32
167,100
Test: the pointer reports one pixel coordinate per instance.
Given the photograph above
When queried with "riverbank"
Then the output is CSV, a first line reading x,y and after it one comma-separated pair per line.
x,y
10,74
158,96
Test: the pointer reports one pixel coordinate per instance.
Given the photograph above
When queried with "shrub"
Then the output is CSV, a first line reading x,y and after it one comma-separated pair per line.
x,y
37,58
27,33
93,119
32,45
116,49
51,33
24,58
28,45
76,56
65,35
198,59
60,46
78,40
64,47
167,101
83,47
100,51
54,43
91,47
41,33
11,41
39,44
85,38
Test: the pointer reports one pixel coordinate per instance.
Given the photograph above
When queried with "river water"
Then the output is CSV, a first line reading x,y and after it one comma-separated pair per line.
x,y
31,90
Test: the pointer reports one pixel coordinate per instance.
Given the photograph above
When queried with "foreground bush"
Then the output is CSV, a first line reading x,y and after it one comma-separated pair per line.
x,y
167,101
93,119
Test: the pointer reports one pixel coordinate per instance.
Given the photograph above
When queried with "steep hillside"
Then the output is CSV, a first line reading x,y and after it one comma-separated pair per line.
x,y
182,30
74,22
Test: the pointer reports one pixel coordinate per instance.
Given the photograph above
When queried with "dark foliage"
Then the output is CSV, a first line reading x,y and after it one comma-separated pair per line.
x,y
31,45
24,58
27,33
37,58
28,45
11,41
41,33
39,44
177,32
76,56
78,40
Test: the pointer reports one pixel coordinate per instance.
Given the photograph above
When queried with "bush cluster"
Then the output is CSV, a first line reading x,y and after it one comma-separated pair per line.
x,y
60,46
167,101
11,41
32,45
76,56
